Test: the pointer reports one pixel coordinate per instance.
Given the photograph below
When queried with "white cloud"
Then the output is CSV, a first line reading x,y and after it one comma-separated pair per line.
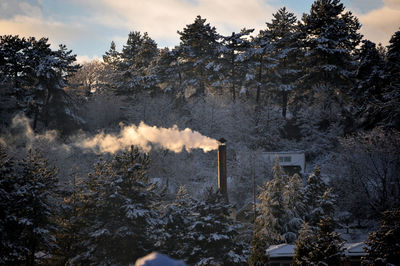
x,y
162,18
380,24
56,31
80,59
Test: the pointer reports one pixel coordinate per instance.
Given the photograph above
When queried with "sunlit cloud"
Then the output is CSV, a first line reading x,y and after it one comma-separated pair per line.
x,y
81,59
380,24
162,19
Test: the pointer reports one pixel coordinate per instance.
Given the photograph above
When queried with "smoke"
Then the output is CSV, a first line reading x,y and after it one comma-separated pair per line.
x,y
21,135
145,137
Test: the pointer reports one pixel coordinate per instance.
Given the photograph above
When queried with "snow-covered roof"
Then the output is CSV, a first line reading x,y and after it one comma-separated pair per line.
x,y
282,250
157,259
284,152
287,250
355,249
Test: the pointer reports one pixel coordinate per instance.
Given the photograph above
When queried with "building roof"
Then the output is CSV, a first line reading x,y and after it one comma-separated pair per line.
x,y
355,249
287,250
284,152
282,250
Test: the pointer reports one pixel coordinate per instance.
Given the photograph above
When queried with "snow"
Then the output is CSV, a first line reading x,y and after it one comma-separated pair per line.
x,y
355,249
282,250
157,259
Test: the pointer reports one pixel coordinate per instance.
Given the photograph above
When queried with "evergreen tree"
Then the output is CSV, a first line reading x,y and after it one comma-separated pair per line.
x,y
199,42
280,213
201,233
304,245
318,198
231,66
392,95
368,93
329,38
135,67
168,71
383,245
321,248
41,74
120,221
26,191
272,207
261,62
284,34
112,57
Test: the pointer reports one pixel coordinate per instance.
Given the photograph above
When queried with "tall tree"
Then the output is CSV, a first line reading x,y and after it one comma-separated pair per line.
x,y
27,189
284,36
330,38
199,42
231,66
383,244
324,247
392,94
135,68
112,57
120,221
367,94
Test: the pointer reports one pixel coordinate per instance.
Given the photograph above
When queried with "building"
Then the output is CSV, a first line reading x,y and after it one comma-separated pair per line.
x,y
291,161
282,255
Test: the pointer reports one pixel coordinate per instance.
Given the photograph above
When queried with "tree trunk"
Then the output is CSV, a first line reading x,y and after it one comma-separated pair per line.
x,y
233,75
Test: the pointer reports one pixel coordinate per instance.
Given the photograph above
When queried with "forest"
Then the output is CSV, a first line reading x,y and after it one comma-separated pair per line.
x,y
311,84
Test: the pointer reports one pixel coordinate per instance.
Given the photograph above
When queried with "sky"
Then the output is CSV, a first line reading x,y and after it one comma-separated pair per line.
x,y
88,26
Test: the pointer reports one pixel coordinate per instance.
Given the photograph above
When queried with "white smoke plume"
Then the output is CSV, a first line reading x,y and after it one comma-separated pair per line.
x,y
145,137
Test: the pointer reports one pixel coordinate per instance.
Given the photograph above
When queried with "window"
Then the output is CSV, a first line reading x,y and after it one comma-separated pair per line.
x,y
285,159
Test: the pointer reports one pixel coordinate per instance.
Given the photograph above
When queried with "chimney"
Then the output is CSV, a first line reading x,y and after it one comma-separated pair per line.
x,y
222,183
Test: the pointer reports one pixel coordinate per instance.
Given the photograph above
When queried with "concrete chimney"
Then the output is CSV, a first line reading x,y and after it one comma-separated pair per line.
x,y
222,183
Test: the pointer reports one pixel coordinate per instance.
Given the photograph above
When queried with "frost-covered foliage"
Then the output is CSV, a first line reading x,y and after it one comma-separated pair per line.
x,y
27,192
36,76
322,246
200,231
280,213
230,66
383,245
280,209
319,200
117,216
365,173
198,48
283,76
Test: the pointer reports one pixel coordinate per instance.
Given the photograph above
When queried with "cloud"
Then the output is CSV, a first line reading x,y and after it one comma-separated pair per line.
x,y
80,59
162,18
57,32
380,24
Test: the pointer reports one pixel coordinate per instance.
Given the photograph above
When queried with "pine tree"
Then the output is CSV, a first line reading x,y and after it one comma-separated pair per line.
x,y
112,57
230,68
135,68
368,92
284,36
383,245
168,71
41,74
120,221
321,248
261,61
318,198
200,232
199,42
272,207
392,94
329,39
304,245
27,228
